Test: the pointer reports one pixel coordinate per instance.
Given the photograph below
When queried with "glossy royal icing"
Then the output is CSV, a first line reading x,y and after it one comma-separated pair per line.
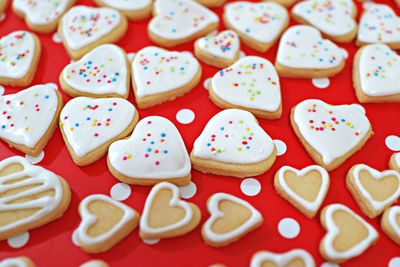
x,y
41,12
223,45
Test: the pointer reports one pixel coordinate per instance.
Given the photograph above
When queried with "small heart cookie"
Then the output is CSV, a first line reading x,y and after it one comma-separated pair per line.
x,y
219,50
17,262
348,235
294,257
90,125
329,133
83,28
231,218
41,15
19,57
259,25
165,215
31,196
373,191
376,70
212,3
394,162
177,22
251,84
103,72
105,222
305,189
29,118
160,75
233,144
132,9
390,223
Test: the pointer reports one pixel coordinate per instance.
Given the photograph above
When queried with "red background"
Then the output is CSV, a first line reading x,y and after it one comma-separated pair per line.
x,y
51,245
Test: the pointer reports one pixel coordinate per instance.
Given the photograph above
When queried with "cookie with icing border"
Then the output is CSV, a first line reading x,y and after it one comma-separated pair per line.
x,y
133,9
390,223
35,196
21,261
94,263
211,3
394,162
165,215
294,257
3,6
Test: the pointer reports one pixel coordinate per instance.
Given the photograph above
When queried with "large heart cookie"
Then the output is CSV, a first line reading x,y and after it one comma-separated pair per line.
x,y
177,22
251,84
293,258
103,72
165,215
334,18
373,191
19,58
105,222
305,189
29,118
155,152
160,75
394,162
90,125
390,223
330,134
233,144
132,9
231,219
259,25
30,196
83,28
348,235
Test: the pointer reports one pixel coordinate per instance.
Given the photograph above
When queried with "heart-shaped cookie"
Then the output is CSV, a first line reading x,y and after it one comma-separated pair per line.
x,y
132,9
373,191
160,75
334,18
375,71
305,189
19,57
231,219
177,22
379,24
294,257
251,84
155,152
348,235
394,162
83,28
105,222
31,196
302,53
29,118
103,72
259,25
165,215
390,223
329,133
90,125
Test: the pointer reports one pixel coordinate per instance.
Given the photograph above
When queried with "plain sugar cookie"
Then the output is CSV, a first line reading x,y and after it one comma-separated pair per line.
x,y
132,9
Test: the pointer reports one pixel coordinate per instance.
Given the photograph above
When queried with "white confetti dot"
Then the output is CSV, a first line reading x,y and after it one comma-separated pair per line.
x,y
3,17
394,262
151,241
329,264
75,238
2,89
289,228
250,187
185,116
131,56
52,85
321,82
56,38
18,241
361,108
393,142
242,54
206,83
187,53
188,191
35,160
344,52
367,4
120,191
281,147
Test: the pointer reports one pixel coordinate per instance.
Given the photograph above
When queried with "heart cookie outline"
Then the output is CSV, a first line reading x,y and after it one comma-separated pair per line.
x,y
281,259
20,261
389,223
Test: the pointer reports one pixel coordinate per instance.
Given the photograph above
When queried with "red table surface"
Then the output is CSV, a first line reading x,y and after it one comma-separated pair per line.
x,y
51,244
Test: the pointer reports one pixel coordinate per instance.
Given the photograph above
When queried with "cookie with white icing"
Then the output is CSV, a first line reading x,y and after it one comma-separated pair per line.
x,y
251,84
41,15
305,189
285,3
3,6
294,257
373,191
302,53
376,70
394,162
17,262
330,134
259,25
219,50
103,72
155,152
348,235
28,118
35,196
178,22
132,9
159,75
94,263
211,3
233,144
83,28
390,223
165,215
231,218
20,53
90,125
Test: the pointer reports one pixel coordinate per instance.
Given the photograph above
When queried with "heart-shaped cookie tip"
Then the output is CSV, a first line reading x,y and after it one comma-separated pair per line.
x,y
297,257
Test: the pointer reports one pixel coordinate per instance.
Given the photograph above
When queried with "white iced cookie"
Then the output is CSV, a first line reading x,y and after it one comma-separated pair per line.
x,y
390,223
17,262
294,257
132,9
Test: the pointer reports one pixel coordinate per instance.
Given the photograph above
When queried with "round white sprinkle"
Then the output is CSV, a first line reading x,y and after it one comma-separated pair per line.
x,y
35,160
75,238
250,187
131,56
281,147
321,82
151,241
393,142
361,108
56,38
394,262
329,264
120,191
52,85
18,241
242,54
2,89
185,116
289,228
206,83
188,191
344,52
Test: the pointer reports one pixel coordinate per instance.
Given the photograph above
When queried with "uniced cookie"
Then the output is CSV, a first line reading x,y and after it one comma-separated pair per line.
x,y
394,162
132,9
17,262
390,223
294,258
